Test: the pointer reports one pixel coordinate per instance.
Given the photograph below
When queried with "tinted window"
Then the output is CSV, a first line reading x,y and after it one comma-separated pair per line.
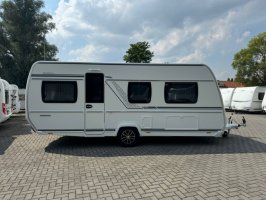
x,y
180,92
139,92
261,95
59,91
7,97
94,88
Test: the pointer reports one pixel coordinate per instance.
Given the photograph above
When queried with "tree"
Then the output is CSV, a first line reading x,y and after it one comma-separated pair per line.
x,y
138,53
250,62
22,38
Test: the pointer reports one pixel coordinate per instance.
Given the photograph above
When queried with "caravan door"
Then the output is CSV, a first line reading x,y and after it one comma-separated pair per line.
x,y
94,104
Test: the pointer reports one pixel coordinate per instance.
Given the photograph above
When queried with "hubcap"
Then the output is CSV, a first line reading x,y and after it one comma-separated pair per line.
x,y
128,136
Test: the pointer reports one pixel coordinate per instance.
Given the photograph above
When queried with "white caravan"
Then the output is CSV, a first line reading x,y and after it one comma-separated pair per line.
x,y
263,105
248,99
227,95
124,100
5,100
15,99
21,94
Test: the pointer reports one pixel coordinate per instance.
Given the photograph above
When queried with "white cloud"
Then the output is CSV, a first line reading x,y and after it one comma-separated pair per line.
x,y
88,53
243,37
195,57
173,39
215,31
198,39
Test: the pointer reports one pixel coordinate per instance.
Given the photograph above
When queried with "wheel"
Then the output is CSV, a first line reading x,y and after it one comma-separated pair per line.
x,y
128,137
225,134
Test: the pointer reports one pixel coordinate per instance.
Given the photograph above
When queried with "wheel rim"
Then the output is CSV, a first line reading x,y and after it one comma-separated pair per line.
x,y
128,136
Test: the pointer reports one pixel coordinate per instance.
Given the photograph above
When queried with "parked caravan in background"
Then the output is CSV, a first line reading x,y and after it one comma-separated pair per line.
x,y
21,94
263,105
124,100
248,98
15,99
5,100
227,95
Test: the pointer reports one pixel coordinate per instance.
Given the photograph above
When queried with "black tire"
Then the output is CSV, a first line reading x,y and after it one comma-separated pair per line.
x,y
128,137
226,133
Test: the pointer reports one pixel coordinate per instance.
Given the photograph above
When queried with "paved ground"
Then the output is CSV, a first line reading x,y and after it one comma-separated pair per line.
x,y
51,167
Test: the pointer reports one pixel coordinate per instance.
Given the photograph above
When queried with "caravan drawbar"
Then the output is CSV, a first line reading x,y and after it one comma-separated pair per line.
x,y
126,101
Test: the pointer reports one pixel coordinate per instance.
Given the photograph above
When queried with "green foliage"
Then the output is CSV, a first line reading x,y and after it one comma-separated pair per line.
x,y
250,62
22,38
138,53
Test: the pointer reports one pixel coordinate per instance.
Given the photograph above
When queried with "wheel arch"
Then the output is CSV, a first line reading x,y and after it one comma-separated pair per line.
x,y
127,125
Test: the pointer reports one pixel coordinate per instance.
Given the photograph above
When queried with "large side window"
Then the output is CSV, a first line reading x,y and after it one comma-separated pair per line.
x,y
139,92
59,91
261,95
94,88
180,92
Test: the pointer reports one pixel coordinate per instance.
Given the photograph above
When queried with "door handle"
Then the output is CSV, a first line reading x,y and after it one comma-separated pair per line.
x,y
45,115
88,106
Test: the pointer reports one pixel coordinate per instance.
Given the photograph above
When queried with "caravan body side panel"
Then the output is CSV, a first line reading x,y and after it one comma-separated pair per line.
x,y
3,116
227,95
263,104
55,117
205,117
157,118
5,100
21,94
15,99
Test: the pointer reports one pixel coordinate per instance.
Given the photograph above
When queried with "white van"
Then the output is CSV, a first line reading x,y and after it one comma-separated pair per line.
x,y
15,99
5,100
124,100
227,95
248,98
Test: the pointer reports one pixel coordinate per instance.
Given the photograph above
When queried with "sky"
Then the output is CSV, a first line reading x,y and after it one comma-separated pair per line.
x,y
191,31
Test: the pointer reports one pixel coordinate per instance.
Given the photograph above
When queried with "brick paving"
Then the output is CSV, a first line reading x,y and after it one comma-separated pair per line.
x,y
51,167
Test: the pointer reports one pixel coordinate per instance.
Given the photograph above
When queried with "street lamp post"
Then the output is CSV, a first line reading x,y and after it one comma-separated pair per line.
x,y
43,46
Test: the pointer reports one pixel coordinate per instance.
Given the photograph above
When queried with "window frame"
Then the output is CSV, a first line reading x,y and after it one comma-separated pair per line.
x,y
56,82
171,102
129,91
